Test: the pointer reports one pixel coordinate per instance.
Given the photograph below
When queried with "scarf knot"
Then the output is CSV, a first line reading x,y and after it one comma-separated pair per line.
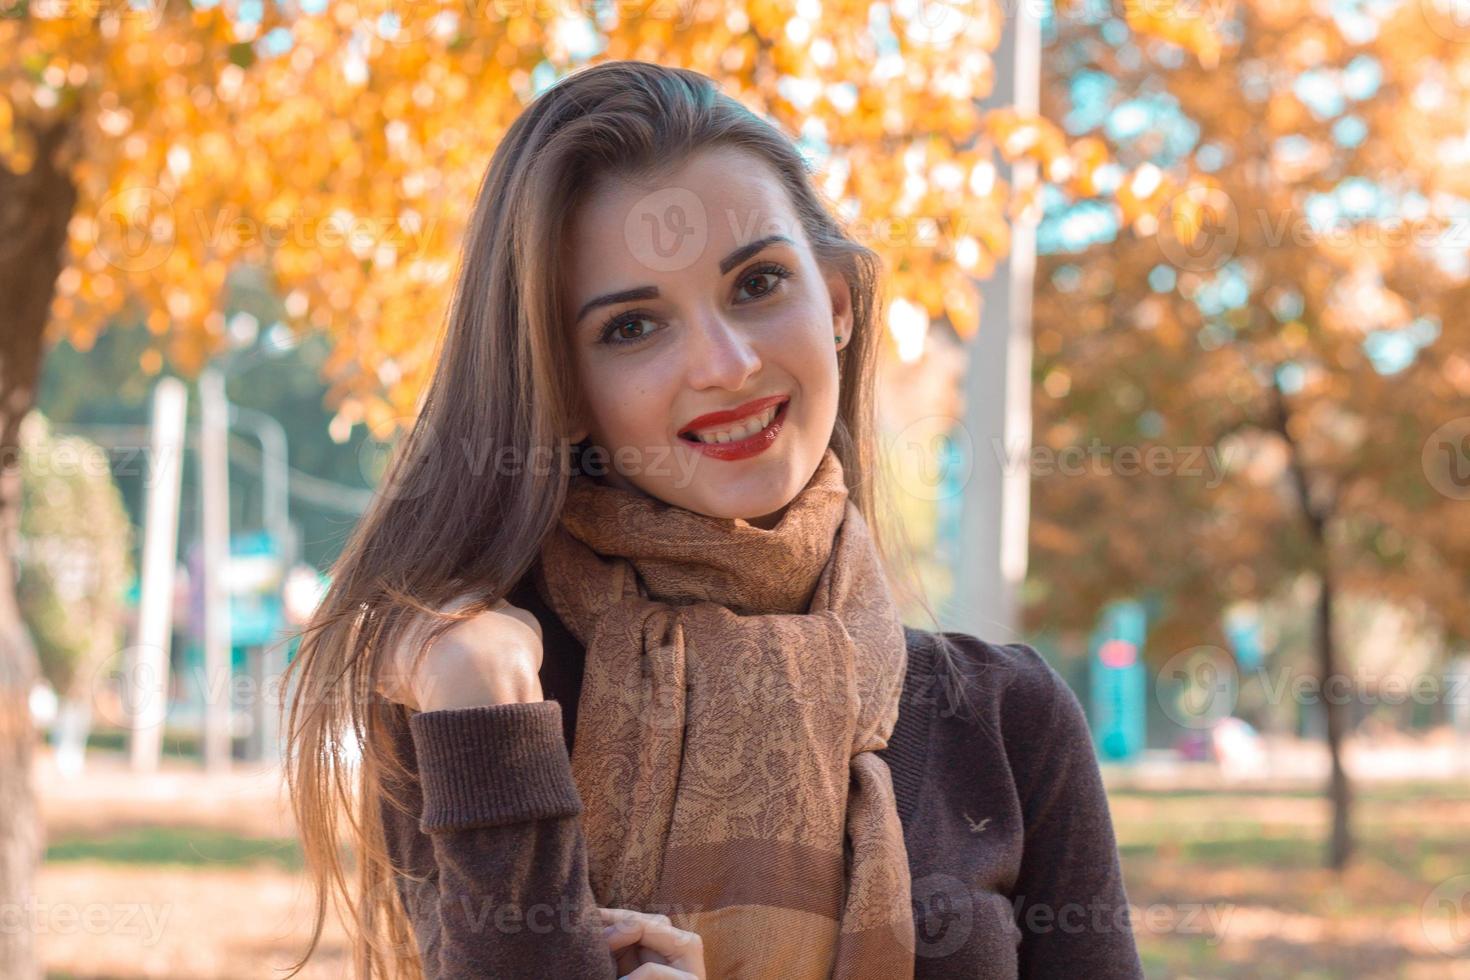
x,y
683,557
738,683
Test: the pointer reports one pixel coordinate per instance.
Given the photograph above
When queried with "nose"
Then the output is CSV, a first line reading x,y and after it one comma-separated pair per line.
x,y
721,353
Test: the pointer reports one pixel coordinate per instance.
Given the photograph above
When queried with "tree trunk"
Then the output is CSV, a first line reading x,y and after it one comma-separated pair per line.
x,y
73,725
35,208
20,832
1341,845
1339,791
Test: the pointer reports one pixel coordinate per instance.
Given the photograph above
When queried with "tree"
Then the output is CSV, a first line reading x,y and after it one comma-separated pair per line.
x,y
1280,283
74,568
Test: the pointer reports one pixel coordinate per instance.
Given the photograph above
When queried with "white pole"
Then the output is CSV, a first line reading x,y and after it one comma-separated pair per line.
x,y
214,487
147,674
997,500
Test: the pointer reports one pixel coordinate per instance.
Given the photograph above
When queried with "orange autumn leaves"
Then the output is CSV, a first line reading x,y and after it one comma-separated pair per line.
x,y
337,150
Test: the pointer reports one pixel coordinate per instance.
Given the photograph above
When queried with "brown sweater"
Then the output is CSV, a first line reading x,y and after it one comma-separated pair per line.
x,y
1010,842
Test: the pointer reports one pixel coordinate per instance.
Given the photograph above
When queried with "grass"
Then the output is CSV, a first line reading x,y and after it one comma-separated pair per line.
x,y
193,846
175,744
1249,862
1257,860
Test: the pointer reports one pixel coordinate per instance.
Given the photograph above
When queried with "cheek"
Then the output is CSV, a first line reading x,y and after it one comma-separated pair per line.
x,y
817,312
807,343
802,329
629,403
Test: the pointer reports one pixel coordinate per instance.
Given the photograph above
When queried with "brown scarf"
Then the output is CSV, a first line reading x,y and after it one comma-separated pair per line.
x,y
737,684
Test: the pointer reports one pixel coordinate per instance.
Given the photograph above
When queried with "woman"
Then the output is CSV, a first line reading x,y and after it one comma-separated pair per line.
x,y
624,657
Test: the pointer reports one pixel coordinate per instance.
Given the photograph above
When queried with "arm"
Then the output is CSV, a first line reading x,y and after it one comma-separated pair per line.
x,y
494,829
1071,905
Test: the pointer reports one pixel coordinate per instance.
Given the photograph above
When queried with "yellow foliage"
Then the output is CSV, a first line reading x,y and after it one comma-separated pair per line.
x,y
345,162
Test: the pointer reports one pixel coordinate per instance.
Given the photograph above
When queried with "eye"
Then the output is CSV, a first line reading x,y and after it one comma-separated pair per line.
x,y
767,279
617,323
772,273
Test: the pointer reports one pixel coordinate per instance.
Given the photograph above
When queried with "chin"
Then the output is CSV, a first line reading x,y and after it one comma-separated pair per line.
x,y
753,509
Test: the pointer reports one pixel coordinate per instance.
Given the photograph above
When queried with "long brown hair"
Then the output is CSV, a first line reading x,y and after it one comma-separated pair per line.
x,y
445,522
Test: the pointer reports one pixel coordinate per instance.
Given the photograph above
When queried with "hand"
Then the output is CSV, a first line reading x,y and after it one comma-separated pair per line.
x,y
491,658
651,948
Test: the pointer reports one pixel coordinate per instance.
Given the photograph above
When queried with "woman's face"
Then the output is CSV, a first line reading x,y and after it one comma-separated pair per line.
x,y
697,295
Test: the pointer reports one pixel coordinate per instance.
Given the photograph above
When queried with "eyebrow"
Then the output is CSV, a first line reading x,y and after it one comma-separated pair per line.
x,y
651,292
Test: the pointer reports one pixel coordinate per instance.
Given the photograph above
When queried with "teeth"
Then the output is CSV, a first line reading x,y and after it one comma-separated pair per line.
x,y
744,430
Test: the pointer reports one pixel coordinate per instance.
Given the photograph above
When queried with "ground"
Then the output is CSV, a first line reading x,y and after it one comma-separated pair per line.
x,y
1249,865
181,875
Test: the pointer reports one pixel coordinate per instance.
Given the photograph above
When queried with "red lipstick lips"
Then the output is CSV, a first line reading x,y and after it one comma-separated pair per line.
x,y
732,415
739,448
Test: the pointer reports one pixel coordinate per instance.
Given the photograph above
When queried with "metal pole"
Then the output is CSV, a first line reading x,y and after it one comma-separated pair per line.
x,y
275,473
996,515
269,660
147,673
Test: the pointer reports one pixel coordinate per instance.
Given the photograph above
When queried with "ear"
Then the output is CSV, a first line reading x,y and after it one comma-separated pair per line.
x,y
841,294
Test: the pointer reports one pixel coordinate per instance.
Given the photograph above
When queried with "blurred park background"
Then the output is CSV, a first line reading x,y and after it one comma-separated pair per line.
x,y
1176,389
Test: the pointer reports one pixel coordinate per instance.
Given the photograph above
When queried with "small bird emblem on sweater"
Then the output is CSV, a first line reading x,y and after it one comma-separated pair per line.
x,y
975,827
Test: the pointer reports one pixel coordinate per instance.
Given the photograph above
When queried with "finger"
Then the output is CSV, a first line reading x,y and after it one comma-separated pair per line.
x,y
657,971
619,915
623,947
625,929
623,935
624,926
679,947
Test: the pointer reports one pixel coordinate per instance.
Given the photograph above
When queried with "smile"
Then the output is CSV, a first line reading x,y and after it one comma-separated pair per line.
x,y
740,440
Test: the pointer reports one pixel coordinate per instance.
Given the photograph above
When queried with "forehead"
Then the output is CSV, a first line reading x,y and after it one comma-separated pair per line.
x,y
692,216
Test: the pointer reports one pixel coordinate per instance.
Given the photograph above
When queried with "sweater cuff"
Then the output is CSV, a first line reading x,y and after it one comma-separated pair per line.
x,y
493,764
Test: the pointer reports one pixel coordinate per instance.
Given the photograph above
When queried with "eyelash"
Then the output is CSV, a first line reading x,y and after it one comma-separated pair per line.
x,y
634,316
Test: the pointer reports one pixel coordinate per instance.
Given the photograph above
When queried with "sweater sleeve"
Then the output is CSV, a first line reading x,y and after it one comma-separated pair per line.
x,y
1070,902
491,842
